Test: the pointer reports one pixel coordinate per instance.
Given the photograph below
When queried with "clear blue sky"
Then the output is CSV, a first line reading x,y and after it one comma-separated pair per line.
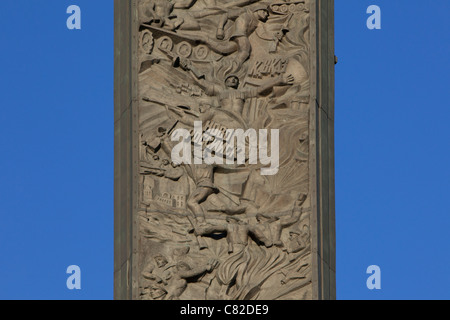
x,y
392,149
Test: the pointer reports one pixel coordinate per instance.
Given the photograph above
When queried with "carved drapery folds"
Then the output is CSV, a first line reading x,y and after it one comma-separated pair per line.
x,y
224,230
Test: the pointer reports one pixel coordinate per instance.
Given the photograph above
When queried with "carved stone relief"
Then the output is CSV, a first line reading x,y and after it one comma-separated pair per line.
x,y
225,230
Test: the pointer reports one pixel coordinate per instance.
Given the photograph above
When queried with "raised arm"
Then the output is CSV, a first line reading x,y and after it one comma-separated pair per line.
x,y
278,81
208,87
192,273
296,212
199,270
288,221
208,229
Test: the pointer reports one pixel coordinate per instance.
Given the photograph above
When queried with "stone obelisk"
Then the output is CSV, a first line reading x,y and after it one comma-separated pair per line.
x,y
224,150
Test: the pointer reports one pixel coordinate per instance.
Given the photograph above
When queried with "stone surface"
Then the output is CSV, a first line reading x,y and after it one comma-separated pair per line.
x,y
231,229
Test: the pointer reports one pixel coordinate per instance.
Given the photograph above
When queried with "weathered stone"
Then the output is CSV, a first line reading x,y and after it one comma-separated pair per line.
x,y
228,220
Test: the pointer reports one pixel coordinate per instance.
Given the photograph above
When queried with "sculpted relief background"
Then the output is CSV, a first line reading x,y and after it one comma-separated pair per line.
x,y
230,230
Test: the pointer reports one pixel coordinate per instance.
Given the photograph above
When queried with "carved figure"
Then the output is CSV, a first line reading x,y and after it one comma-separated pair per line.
x,y
238,233
178,283
232,98
160,14
294,244
273,226
246,22
160,272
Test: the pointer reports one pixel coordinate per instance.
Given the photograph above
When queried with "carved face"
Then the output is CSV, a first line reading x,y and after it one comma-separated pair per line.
x,y
232,82
182,266
204,107
263,15
160,261
292,235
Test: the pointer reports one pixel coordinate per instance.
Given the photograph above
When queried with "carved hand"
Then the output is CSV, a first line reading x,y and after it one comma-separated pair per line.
x,y
279,35
212,263
268,243
288,79
184,64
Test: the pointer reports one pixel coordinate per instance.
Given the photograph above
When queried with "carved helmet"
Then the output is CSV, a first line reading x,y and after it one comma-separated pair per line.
x,y
260,6
231,76
160,256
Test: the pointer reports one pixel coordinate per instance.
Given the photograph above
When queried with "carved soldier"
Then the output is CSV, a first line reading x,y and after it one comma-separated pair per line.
x,y
160,272
246,22
203,177
272,226
238,233
178,283
233,99
294,244
160,14
164,168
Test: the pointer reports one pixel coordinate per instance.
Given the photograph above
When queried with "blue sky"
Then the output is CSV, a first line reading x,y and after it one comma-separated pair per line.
x,y
392,149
